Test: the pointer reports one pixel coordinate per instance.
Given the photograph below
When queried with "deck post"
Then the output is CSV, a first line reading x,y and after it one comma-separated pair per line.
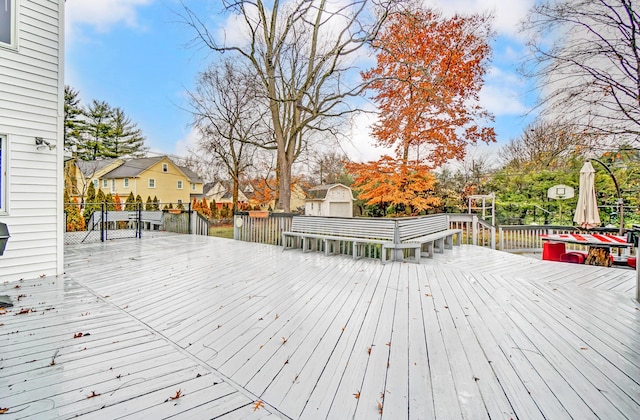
x,y
637,274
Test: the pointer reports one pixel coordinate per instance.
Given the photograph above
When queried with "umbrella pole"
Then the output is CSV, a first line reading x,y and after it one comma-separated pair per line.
x,y
620,201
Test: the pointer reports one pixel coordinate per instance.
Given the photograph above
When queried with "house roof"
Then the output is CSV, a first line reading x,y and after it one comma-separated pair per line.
x,y
193,177
320,192
91,167
133,168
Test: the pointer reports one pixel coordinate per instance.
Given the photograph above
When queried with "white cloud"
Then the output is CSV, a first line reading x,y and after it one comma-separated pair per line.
x,y
508,14
102,14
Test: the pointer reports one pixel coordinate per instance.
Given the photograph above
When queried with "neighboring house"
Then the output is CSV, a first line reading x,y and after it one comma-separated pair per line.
x,y
256,199
31,137
152,177
223,197
330,200
81,173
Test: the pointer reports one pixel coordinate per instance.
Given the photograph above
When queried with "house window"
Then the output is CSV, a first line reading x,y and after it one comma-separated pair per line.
x,y
7,23
179,185
95,184
165,167
126,182
3,173
105,183
152,183
113,185
193,186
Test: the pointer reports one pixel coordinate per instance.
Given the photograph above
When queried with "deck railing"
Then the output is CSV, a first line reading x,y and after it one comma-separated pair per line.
x,y
268,229
521,239
476,231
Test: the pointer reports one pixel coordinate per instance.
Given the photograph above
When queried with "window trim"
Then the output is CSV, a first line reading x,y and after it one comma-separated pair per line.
x,y
105,183
193,186
179,184
151,183
125,183
165,168
13,23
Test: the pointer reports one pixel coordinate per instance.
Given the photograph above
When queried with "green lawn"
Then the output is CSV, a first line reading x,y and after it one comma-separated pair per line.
x,y
221,231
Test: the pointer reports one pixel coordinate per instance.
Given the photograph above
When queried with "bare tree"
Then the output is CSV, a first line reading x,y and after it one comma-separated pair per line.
x,y
230,119
302,53
544,145
589,74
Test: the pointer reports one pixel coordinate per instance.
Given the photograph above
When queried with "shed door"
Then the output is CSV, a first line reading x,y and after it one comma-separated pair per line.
x,y
340,209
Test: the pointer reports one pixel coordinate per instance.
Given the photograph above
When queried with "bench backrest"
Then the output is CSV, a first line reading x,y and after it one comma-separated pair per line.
x,y
421,226
356,227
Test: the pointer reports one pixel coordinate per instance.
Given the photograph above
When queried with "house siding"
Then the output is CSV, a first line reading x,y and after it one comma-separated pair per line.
x,y
31,105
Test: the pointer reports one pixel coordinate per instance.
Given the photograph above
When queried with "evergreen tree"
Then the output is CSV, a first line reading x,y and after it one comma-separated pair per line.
x,y
75,221
98,130
214,209
108,199
130,203
124,137
149,203
91,202
204,206
156,203
73,124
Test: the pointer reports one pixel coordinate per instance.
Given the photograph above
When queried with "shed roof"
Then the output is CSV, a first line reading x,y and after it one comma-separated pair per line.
x,y
320,192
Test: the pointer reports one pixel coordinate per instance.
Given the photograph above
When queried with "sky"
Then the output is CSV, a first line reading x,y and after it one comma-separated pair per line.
x,y
139,56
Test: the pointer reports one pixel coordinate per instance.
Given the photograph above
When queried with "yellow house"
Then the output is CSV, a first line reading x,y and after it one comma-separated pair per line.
x,y
152,177
80,173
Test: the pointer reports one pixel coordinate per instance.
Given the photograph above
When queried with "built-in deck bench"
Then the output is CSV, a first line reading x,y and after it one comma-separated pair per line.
x,y
329,232
427,232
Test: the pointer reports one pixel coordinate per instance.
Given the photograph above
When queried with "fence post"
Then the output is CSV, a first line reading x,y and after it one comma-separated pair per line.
x,y
103,217
474,230
139,213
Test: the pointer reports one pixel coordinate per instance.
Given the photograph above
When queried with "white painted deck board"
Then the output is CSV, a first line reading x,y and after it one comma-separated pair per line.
x,y
471,333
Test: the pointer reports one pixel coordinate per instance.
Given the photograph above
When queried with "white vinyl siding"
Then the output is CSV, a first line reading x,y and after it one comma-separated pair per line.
x,y
31,102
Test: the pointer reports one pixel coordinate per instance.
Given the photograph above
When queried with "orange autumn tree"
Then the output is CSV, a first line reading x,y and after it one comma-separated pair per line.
x,y
392,181
427,79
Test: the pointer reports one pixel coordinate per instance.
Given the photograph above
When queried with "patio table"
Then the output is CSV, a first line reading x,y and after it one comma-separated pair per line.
x,y
599,245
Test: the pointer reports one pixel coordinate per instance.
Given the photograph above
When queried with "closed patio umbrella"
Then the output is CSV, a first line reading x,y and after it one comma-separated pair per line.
x,y
587,215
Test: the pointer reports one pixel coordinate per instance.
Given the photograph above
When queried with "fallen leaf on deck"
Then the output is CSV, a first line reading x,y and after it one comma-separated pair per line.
x,y
258,404
368,350
583,348
379,407
427,294
284,340
357,395
178,395
3,410
93,394
23,311
17,286
77,335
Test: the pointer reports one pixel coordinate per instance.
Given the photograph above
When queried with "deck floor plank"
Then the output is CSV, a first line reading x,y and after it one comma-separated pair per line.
x,y
469,333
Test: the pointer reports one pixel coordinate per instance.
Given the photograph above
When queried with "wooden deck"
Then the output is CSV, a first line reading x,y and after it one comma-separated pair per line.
x,y
246,330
